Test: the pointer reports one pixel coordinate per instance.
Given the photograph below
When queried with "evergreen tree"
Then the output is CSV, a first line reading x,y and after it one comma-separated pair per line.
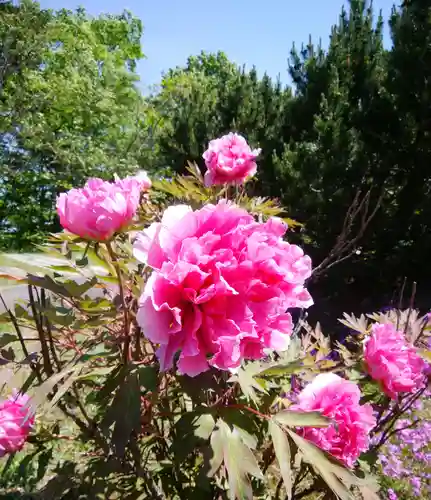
x,y
211,97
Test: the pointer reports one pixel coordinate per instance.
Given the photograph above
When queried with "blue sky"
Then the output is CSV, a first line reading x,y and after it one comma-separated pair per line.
x,y
259,32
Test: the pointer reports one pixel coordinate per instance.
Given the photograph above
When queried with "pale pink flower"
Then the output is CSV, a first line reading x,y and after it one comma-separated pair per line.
x,y
221,286
393,361
99,209
141,178
16,421
229,160
337,399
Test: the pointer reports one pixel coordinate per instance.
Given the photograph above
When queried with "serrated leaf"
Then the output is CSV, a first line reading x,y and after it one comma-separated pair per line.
x,y
357,324
302,418
245,378
318,460
283,455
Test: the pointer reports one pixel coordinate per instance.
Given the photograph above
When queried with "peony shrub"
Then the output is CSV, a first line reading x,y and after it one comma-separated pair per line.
x,y
160,353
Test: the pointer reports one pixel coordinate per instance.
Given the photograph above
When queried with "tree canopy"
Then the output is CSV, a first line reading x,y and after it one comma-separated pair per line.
x,y
70,109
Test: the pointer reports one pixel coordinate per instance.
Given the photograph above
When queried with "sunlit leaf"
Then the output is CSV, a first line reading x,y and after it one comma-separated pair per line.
x,y
283,455
249,385
302,419
315,457
40,394
280,370
239,462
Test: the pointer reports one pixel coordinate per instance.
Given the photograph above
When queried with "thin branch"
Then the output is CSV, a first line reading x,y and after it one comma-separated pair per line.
x,y
44,346
411,304
400,301
44,318
14,321
345,243
123,302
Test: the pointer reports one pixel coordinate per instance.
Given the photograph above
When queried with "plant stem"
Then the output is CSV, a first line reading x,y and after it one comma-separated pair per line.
x,y
43,344
123,302
44,303
244,407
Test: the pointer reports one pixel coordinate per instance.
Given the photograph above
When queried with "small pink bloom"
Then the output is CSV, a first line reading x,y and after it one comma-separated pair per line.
x,y
221,286
140,178
16,421
99,209
392,361
229,160
337,399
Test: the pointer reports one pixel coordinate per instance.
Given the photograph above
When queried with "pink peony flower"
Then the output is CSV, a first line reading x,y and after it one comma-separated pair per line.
x,y
140,178
221,286
392,361
99,209
229,160
16,421
337,399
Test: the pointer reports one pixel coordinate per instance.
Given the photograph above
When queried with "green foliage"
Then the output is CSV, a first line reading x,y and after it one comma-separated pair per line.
x,y
69,110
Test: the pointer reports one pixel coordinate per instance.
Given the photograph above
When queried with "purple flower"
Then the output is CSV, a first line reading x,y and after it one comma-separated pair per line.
x,y
416,485
392,495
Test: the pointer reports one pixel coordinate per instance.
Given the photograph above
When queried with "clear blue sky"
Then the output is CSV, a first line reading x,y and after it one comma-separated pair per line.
x,y
251,32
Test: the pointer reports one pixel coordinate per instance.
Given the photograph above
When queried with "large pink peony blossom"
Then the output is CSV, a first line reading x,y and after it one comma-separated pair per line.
x,y
229,160
16,421
221,286
392,361
100,208
337,399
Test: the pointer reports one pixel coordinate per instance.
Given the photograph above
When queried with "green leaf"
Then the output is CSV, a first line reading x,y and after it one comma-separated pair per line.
x,y
315,457
99,351
282,452
247,382
40,394
7,338
239,462
148,377
124,412
216,460
192,430
280,370
63,388
96,373
302,418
